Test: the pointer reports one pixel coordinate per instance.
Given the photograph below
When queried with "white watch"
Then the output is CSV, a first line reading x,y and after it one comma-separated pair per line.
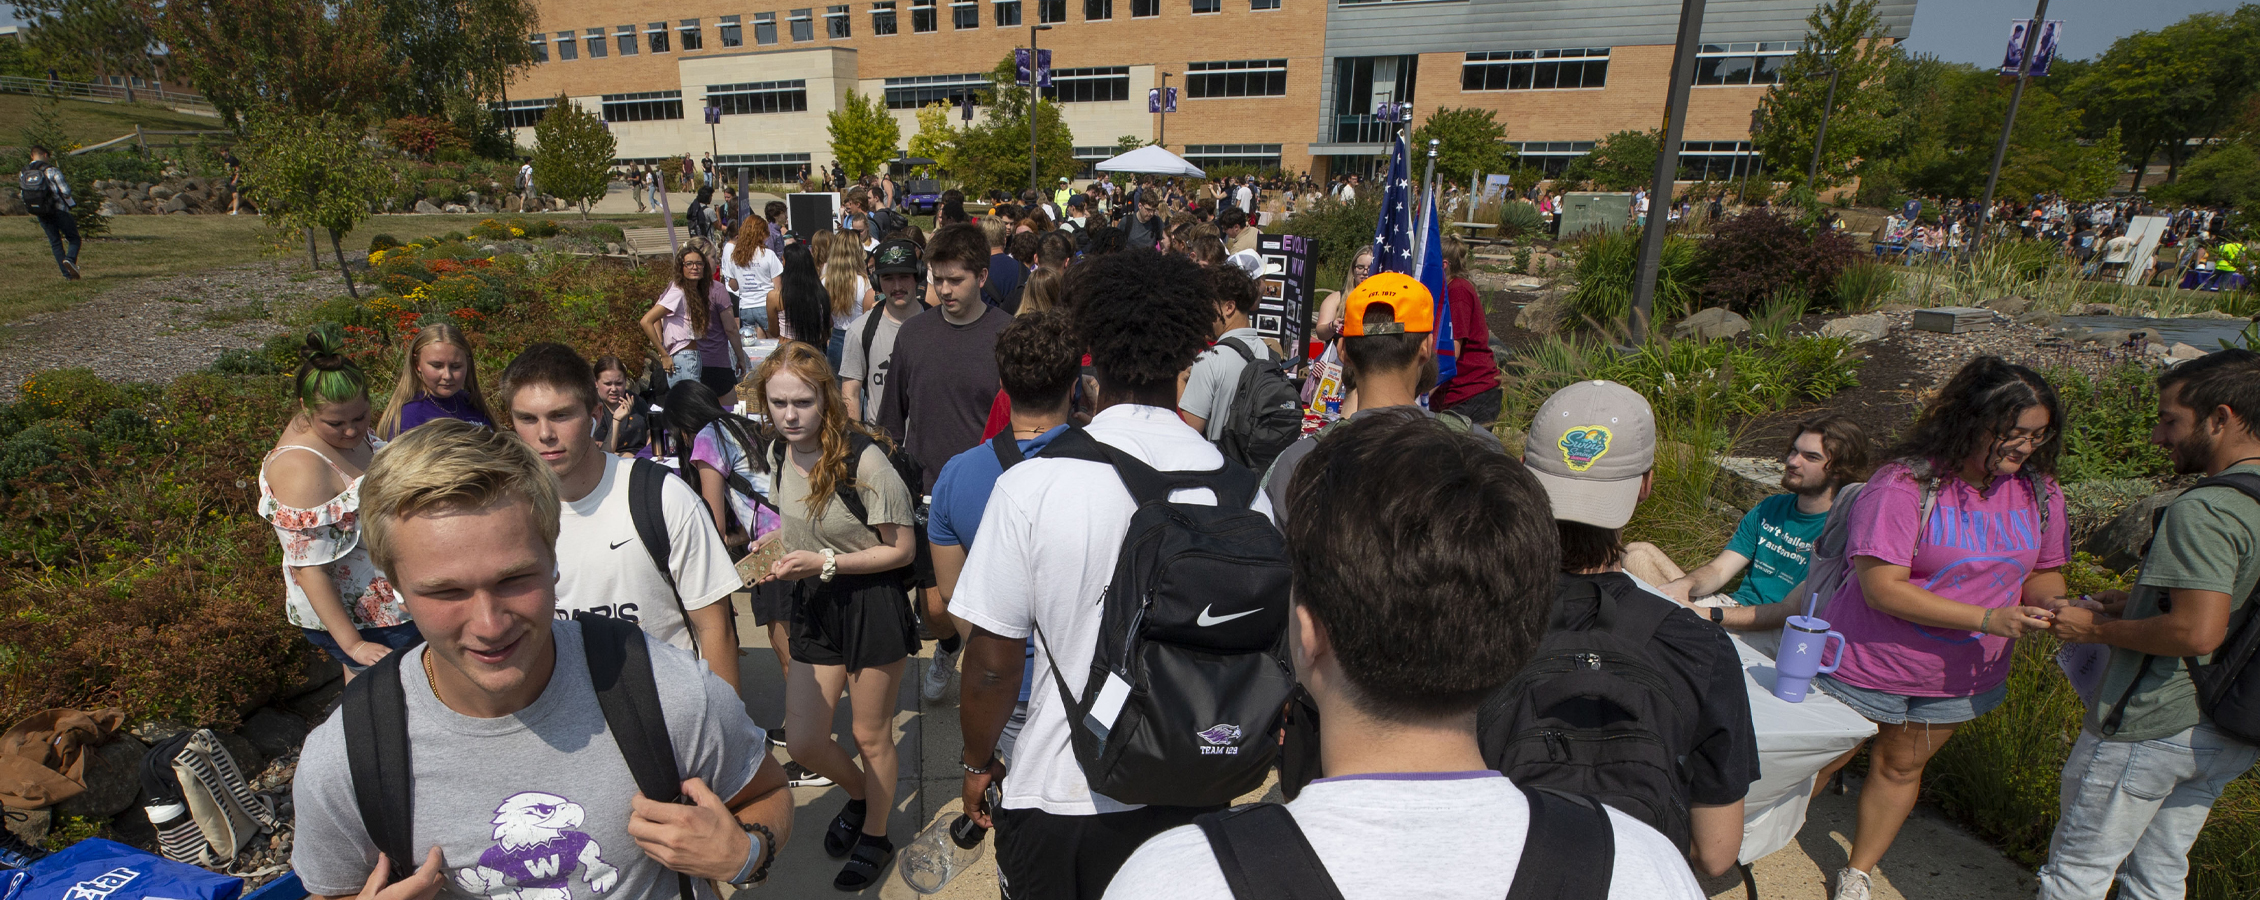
x,y
831,566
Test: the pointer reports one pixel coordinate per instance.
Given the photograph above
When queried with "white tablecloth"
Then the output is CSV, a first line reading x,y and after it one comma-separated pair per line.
x,y
1795,740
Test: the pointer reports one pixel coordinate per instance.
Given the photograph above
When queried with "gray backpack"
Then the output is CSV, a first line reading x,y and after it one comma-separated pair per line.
x,y
1266,414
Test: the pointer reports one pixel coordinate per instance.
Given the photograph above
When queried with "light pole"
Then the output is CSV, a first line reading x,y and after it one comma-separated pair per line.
x,y
2001,148
1820,137
1163,140
1035,95
1667,165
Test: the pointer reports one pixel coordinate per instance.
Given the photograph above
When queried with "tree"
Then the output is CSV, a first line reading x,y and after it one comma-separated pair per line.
x,y
1951,117
572,154
46,130
113,36
1619,162
864,135
1473,142
449,48
297,56
1127,143
2166,89
1851,38
936,138
993,153
313,172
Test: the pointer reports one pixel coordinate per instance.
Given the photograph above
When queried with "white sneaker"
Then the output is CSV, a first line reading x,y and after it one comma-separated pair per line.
x,y
937,681
1852,884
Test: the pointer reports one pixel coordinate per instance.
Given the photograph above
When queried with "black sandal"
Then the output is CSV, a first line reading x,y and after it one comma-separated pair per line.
x,y
866,865
840,837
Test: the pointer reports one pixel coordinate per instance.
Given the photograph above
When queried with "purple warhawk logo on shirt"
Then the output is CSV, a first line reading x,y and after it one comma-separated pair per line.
x,y
1221,735
537,851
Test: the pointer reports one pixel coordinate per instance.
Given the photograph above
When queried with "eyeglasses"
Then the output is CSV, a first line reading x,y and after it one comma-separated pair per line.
x,y
2032,440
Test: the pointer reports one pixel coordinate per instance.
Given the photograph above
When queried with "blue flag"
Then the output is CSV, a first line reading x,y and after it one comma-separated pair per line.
x,y
1393,235
1430,273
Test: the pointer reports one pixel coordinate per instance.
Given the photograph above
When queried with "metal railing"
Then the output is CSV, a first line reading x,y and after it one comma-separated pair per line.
x,y
104,92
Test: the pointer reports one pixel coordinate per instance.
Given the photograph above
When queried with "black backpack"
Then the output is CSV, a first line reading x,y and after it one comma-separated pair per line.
x,y
1192,650
39,193
646,481
375,708
1594,712
2228,687
1266,414
1569,852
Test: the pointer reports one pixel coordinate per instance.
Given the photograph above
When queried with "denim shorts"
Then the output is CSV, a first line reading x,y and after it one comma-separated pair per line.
x,y
1898,709
398,637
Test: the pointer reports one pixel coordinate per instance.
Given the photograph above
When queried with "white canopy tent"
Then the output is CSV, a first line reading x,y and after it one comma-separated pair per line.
x,y
1152,160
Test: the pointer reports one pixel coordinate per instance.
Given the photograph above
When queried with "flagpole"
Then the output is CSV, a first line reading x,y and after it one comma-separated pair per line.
x,y
1427,197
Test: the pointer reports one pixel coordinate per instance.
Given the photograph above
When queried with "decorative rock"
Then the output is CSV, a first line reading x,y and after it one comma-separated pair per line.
x,y
2112,337
2212,314
425,206
512,203
314,706
12,204
2183,351
2104,309
613,249
117,208
2154,351
274,733
455,208
2008,305
161,192
1745,480
112,778
485,208
32,825
1711,324
2119,544
320,671
1544,315
154,731
175,204
2039,318
247,757
1861,329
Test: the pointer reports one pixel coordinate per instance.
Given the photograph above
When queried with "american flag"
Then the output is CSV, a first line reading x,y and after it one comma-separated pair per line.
x,y
1395,251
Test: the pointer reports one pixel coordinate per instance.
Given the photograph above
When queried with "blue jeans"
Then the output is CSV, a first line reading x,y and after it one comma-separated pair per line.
x,y
2140,803
61,227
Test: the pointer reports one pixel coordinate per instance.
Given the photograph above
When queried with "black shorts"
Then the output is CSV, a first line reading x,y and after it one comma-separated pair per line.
x,y
719,379
922,560
1040,854
772,602
857,621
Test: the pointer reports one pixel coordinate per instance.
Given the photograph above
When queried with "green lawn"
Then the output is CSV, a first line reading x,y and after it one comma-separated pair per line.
x,y
89,122
152,246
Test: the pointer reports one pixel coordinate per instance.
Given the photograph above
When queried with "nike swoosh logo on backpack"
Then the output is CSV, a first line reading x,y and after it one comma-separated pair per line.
x,y
621,544
1205,620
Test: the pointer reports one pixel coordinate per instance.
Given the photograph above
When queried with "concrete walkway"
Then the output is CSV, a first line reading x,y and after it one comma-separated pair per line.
x,y
619,201
1933,859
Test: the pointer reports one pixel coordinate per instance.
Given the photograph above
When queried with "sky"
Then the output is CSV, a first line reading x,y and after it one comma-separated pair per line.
x,y
1977,31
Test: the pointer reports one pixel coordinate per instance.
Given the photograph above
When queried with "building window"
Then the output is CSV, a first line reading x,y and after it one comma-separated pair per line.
x,y
1535,70
519,113
1260,5
644,107
1361,83
655,37
625,36
1717,160
1208,156
759,97
691,38
566,48
804,28
762,167
1007,13
883,17
765,28
922,19
1237,78
1551,157
1746,63
733,34
1204,7
596,43
965,14
836,23
1145,9
1051,12
916,92
1089,85
1098,10
540,45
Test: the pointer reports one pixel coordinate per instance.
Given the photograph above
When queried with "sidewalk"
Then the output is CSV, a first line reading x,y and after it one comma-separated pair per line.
x,y
618,200
1933,858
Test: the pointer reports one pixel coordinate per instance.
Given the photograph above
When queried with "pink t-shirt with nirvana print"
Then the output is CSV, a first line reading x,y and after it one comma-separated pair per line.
x,y
1978,548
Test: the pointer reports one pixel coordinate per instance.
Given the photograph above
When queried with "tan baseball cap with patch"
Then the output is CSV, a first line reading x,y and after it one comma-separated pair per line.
x,y
1589,446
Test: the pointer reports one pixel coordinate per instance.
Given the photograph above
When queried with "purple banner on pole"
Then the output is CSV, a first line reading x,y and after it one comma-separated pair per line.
x,y
1169,100
1020,65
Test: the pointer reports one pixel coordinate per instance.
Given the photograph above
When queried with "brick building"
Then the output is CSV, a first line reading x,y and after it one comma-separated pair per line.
x,y
1288,83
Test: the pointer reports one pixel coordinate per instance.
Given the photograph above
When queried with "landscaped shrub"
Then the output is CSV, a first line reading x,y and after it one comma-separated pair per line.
x,y
1760,253
2106,425
1606,263
1520,217
1863,285
1334,229
443,191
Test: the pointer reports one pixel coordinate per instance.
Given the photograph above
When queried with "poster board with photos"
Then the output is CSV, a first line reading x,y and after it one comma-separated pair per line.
x,y
1283,294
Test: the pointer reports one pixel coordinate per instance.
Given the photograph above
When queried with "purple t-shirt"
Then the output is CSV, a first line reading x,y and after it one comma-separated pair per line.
x,y
1978,548
427,407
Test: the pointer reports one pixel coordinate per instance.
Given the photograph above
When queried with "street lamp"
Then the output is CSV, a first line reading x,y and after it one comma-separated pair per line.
x,y
1820,137
1035,94
1164,136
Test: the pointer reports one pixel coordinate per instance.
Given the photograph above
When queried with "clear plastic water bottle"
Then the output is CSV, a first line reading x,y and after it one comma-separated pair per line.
x,y
941,852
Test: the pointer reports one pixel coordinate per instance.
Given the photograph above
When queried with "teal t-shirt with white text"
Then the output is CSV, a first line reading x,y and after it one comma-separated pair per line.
x,y
1779,542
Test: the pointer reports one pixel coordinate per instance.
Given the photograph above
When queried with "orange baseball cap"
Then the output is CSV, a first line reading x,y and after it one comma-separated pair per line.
x,y
1412,307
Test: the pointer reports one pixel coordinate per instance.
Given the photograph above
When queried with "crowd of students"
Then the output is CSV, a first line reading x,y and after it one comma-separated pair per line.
x,y
925,456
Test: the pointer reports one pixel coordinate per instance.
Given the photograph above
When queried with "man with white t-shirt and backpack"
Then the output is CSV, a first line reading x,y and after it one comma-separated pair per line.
x,y
1399,632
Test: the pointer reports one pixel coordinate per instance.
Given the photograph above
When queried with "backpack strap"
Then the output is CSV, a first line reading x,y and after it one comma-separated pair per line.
x,y
1008,449
2249,485
1235,485
647,487
619,664
1265,856
871,334
1240,347
375,708
845,491
1569,852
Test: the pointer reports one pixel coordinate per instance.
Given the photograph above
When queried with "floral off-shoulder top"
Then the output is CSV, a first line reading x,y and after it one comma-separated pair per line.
x,y
329,536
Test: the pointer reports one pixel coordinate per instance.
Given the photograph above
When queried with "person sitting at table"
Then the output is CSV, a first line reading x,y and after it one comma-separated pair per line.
x,y
1937,602
1592,447
1775,539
